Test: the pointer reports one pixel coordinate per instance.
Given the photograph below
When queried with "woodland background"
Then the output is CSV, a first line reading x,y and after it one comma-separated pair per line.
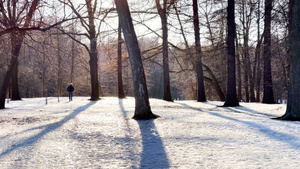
x,y
50,60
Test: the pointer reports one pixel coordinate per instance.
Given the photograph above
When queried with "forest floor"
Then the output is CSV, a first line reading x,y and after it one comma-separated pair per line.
x,y
86,134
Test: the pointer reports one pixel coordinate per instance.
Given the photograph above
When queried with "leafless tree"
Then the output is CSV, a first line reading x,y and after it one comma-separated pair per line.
x,y
268,83
142,105
231,99
12,20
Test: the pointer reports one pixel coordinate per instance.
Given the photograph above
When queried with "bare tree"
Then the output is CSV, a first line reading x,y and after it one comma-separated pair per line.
x,y
257,63
293,106
89,26
246,12
231,99
142,105
11,21
268,84
200,78
162,11
120,79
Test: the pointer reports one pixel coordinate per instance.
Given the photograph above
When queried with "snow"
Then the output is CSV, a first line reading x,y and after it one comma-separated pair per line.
x,y
189,134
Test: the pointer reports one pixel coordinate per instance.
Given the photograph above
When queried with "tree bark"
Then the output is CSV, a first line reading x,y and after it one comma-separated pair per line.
x,y
231,99
93,52
257,62
215,83
59,68
200,79
121,94
162,11
268,84
293,106
4,88
16,43
142,105
239,78
72,61
239,73
94,74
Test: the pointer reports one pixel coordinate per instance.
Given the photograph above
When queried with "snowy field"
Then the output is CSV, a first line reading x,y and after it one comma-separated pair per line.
x,y
85,134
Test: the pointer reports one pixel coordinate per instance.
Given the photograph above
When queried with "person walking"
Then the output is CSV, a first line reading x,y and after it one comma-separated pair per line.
x,y
70,89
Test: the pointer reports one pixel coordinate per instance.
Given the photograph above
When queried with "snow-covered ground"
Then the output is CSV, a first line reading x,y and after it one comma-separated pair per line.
x,y
85,134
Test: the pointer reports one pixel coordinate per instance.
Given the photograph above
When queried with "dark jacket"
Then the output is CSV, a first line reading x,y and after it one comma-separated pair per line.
x,y
70,88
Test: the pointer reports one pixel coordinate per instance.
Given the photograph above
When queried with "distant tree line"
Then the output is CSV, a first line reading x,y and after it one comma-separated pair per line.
x,y
199,49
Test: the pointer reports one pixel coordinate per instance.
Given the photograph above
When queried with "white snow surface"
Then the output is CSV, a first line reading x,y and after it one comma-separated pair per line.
x,y
189,134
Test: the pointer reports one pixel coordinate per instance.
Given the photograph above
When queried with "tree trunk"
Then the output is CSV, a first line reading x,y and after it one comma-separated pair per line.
x,y
94,75
142,105
72,60
251,83
17,39
15,92
231,99
239,73
16,43
268,85
6,80
59,69
293,106
44,78
215,83
246,80
93,52
121,94
257,65
258,72
200,80
164,22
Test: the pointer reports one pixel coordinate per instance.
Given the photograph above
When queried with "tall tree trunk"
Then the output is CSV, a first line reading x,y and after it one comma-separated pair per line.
x,y
93,52
231,99
201,91
251,83
59,69
142,105
259,75
268,85
246,20
239,73
293,106
215,82
16,43
289,27
94,74
44,67
257,65
246,81
164,22
72,60
15,92
6,80
121,94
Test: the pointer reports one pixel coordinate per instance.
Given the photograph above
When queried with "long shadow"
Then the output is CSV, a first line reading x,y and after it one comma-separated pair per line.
x,y
130,140
279,136
153,154
242,109
47,129
250,112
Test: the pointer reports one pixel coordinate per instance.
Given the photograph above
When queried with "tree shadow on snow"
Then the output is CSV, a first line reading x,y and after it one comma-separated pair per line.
x,y
241,109
47,129
153,154
247,111
275,135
